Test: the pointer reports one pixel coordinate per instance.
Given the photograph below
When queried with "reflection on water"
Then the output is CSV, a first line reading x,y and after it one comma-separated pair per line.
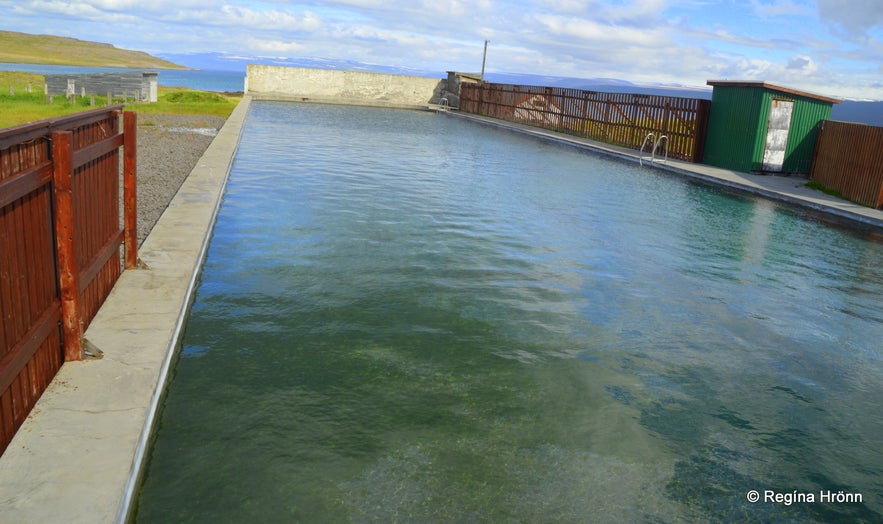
x,y
407,318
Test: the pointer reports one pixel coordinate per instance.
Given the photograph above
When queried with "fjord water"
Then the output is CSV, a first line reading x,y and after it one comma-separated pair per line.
x,y
405,317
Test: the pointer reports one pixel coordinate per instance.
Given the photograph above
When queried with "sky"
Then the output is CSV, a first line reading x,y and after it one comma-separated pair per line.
x,y
827,47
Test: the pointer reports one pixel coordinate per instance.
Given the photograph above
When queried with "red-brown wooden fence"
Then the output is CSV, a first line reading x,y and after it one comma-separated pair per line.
x,y
617,118
60,241
849,159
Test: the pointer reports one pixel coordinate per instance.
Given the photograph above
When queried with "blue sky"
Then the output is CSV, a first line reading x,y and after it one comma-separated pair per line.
x,y
829,47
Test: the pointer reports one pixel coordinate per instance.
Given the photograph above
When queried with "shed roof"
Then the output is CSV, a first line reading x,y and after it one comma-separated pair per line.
x,y
767,85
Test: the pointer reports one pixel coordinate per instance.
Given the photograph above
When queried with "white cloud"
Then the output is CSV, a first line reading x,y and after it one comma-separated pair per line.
x,y
642,12
802,64
273,46
566,6
779,8
586,30
856,16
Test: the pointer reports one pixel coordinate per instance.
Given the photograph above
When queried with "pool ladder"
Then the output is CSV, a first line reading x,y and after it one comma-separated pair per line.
x,y
443,105
656,142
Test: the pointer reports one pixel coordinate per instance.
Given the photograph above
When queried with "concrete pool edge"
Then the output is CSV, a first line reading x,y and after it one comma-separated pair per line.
x,y
214,162
79,455
790,190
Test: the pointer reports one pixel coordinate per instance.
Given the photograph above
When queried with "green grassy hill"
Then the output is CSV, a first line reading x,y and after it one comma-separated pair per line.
x,y
55,50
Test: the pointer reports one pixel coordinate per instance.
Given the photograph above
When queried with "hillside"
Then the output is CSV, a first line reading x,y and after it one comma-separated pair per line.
x,y
26,48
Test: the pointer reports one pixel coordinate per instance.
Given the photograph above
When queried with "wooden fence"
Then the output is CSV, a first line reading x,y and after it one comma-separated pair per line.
x,y
616,118
60,239
849,159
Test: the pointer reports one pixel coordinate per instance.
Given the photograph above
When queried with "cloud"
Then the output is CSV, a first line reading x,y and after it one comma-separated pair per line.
x,y
273,46
779,8
802,64
668,41
583,30
858,16
721,34
640,12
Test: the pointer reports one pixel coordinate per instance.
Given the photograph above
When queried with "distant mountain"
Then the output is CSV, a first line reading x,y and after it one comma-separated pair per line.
x,y
870,113
226,62
24,48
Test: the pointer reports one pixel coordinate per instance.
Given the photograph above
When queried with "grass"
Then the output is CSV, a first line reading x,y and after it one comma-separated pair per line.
x,y
812,184
20,107
26,48
180,100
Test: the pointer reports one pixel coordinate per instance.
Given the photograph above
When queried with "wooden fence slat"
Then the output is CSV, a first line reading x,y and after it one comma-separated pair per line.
x,y
95,150
15,360
23,183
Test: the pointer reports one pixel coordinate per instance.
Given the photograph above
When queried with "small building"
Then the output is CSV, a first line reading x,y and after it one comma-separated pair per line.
x,y
452,86
136,84
757,127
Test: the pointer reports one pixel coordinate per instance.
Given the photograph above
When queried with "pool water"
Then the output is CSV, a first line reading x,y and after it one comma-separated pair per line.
x,y
407,317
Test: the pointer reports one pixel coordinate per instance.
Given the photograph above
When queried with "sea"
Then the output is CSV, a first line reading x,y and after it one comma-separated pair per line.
x,y
202,79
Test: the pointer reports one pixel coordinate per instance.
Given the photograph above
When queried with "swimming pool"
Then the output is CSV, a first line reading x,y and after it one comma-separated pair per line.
x,y
407,317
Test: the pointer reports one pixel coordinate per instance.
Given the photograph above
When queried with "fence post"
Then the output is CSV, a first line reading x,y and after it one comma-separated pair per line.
x,y
700,130
68,270
130,193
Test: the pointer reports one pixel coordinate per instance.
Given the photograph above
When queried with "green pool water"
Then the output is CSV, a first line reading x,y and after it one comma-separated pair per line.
x,y
405,317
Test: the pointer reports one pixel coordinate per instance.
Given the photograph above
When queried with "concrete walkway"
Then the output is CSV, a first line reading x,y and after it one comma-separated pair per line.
x,y
78,456
790,190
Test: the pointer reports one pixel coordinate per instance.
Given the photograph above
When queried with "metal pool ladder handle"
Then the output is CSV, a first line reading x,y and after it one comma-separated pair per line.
x,y
656,142
652,138
656,145
443,105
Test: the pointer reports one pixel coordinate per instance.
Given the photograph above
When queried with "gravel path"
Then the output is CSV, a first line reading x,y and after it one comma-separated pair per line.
x,y
169,146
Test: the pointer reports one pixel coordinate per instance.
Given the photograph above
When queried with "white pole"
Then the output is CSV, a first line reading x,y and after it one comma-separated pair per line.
x,y
483,60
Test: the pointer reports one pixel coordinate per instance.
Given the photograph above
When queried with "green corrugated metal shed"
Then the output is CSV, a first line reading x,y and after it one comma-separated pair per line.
x,y
740,119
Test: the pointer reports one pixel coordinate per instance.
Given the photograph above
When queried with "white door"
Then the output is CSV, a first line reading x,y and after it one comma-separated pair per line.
x,y
777,135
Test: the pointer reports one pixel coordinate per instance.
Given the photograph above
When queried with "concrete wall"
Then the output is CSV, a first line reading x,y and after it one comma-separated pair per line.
x,y
342,87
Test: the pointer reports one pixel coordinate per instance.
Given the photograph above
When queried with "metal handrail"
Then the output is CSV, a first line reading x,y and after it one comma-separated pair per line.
x,y
652,138
656,145
656,141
